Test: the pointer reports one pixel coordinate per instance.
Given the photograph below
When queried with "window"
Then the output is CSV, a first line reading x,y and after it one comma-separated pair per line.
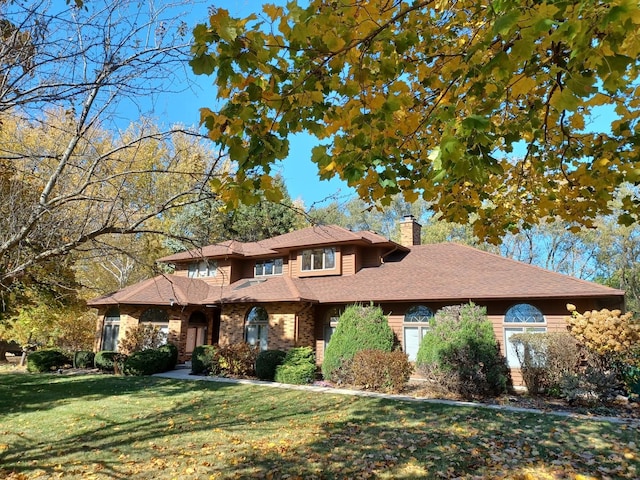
x,y
257,327
203,268
272,266
319,259
159,318
111,330
520,318
416,325
330,324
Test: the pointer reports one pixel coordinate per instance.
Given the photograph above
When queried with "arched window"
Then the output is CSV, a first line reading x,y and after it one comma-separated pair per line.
x,y
159,318
111,329
330,324
416,325
520,318
257,327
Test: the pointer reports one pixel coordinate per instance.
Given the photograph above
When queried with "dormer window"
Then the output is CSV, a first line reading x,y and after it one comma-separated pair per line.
x,y
203,268
319,259
273,266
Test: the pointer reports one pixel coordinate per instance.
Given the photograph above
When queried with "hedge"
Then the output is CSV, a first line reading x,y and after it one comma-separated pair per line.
x,y
42,361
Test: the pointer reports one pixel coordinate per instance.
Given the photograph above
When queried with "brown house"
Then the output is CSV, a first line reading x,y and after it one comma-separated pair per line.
x,y
289,291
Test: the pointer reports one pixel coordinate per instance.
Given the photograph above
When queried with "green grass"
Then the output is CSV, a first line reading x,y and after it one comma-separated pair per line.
x,y
110,427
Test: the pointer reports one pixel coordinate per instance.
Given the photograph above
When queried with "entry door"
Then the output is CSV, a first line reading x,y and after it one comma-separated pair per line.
x,y
196,336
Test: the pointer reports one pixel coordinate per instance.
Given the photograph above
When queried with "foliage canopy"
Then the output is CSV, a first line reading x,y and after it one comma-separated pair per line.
x,y
484,109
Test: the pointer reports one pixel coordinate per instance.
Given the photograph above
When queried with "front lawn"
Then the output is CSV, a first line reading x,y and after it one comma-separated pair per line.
x,y
102,426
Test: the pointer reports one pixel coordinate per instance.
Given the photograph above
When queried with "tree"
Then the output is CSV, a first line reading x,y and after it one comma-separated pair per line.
x,y
484,109
72,171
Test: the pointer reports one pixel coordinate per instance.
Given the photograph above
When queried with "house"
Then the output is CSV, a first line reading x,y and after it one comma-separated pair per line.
x,y
289,291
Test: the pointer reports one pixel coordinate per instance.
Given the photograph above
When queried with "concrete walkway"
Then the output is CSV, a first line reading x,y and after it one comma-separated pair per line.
x,y
184,374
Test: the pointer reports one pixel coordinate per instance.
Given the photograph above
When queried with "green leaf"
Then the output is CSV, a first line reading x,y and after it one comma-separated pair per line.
x,y
503,24
476,122
203,65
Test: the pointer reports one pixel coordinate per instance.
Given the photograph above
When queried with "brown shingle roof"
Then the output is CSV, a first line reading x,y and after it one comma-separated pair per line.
x,y
307,237
158,290
449,271
438,272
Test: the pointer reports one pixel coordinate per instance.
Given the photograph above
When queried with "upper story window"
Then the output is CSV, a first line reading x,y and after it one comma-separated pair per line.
x,y
203,268
319,259
273,266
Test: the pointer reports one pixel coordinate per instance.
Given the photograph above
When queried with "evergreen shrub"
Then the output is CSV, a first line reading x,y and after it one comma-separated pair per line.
x,y
42,361
461,354
267,362
170,352
83,359
381,371
150,361
204,359
298,367
109,361
359,328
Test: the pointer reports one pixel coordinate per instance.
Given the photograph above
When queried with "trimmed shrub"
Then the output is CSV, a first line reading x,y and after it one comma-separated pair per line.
x,y
42,361
298,367
381,371
359,328
237,359
83,359
267,362
204,358
109,361
170,352
545,359
150,361
461,353
145,362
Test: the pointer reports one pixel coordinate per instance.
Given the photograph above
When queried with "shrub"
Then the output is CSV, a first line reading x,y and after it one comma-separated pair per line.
x,y
461,353
46,360
266,363
545,359
203,359
298,367
359,328
236,359
382,371
83,359
109,361
170,352
140,337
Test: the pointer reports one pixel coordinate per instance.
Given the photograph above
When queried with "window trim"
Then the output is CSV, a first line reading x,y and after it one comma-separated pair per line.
x,y
278,264
112,320
412,321
313,254
261,327
514,322
195,269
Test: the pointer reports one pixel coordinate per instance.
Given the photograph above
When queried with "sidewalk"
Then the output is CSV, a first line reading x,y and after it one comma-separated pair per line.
x,y
184,374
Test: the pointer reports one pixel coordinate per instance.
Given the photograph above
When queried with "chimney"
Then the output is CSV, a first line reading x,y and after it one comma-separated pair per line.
x,y
409,231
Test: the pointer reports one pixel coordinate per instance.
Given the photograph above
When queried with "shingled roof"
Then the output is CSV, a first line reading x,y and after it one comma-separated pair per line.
x,y
435,272
307,237
160,290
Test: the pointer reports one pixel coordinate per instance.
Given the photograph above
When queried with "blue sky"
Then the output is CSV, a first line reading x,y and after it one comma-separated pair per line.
x,y
300,174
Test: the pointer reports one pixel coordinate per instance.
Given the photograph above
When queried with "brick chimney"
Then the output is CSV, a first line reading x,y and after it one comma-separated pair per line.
x,y
409,231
